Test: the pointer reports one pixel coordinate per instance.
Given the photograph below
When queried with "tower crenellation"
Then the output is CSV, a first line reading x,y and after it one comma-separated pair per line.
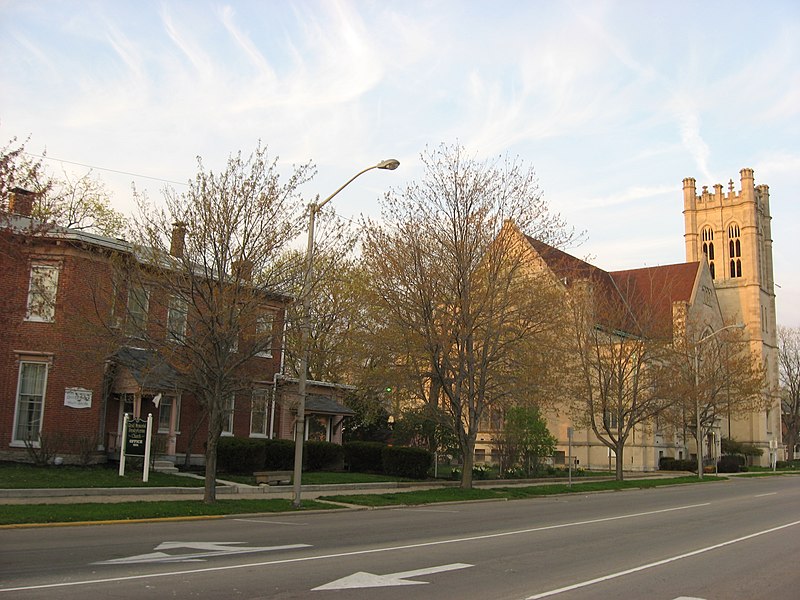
x,y
748,191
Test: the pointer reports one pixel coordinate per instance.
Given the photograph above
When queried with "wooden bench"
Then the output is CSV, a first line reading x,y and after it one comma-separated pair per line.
x,y
273,477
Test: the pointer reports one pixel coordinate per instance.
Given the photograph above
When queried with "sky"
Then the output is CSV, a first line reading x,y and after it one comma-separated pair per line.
x,y
613,103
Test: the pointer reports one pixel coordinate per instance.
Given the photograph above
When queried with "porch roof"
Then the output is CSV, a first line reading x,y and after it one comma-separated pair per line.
x,y
325,405
148,368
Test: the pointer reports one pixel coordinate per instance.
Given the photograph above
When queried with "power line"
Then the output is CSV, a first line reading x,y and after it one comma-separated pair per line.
x,y
70,162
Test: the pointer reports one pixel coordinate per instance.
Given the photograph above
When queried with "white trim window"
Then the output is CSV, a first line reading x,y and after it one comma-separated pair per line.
x,y
31,387
318,428
42,292
165,413
264,334
227,416
258,413
138,306
176,319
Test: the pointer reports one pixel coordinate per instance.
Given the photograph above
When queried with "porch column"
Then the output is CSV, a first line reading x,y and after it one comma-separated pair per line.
x,y
173,417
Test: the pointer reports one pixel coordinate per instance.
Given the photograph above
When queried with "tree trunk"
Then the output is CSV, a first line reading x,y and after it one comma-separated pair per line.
x,y
210,493
790,439
620,450
469,461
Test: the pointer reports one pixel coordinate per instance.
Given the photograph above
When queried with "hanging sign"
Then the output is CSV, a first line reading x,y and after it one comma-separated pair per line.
x,y
77,398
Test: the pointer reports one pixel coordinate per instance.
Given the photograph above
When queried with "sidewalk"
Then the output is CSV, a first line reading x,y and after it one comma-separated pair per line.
x,y
231,490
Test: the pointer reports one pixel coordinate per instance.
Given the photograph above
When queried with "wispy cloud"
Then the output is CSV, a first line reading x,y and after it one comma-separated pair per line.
x,y
257,59
632,194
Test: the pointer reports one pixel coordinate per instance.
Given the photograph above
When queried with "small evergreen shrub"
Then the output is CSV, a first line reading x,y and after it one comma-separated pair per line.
x,y
364,457
403,461
729,463
322,456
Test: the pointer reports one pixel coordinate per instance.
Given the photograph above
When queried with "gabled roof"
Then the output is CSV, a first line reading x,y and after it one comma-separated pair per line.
x,y
635,301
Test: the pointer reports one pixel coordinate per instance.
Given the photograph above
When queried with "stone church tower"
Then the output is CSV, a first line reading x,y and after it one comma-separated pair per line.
x,y
731,231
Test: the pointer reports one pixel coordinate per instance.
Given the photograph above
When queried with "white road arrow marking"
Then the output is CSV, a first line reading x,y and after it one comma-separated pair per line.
x,y
364,580
208,549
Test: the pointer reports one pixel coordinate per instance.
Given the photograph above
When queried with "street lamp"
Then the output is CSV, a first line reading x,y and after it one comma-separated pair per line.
x,y
697,390
299,436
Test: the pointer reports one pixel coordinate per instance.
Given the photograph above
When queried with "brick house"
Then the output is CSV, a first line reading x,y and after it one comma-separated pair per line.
x,y
68,373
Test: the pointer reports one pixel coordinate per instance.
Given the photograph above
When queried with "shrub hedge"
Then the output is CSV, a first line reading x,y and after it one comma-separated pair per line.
x,y
730,463
240,455
322,456
364,457
403,461
788,464
667,463
243,455
279,455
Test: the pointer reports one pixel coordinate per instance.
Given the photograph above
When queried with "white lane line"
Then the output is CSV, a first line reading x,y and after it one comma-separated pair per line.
x,y
353,553
770,494
665,561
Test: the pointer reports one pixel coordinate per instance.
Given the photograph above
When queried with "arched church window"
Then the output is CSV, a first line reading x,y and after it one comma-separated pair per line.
x,y
708,248
735,250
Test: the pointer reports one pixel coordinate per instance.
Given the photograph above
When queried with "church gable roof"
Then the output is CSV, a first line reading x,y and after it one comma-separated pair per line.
x,y
635,301
650,293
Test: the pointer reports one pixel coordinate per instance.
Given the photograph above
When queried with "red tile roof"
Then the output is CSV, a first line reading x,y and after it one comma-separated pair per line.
x,y
636,301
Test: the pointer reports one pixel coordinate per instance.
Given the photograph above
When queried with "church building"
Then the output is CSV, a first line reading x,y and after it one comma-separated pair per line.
x,y
725,283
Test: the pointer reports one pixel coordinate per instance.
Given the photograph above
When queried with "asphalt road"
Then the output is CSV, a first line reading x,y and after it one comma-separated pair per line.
x,y
734,540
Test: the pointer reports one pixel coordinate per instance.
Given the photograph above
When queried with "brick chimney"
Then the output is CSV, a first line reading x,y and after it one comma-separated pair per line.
x,y
20,201
178,240
243,270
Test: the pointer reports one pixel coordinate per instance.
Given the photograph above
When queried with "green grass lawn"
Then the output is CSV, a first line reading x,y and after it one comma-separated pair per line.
x,y
767,473
70,513
26,476
515,493
14,514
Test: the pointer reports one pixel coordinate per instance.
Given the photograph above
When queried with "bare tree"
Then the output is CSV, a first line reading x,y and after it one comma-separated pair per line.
x,y
18,170
216,291
75,202
722,377
616,376
789,369
450,270
80,202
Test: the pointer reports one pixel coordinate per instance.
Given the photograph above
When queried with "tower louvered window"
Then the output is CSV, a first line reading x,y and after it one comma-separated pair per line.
x,y
734,251
708,248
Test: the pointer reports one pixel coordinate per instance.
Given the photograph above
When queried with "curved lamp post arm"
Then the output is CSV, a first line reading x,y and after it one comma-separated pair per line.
x,y
299,436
